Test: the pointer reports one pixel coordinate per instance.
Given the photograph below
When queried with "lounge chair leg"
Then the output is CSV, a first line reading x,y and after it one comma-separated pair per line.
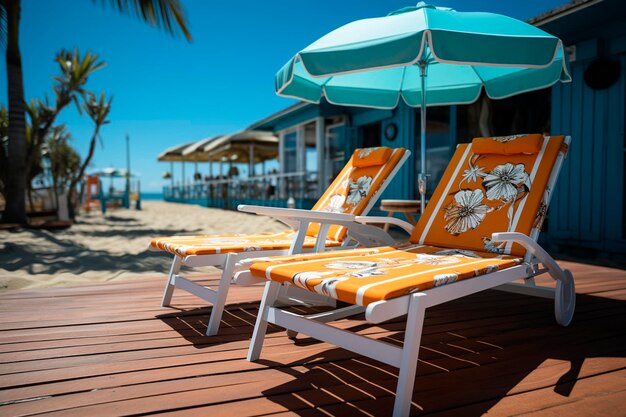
x,y
410,352
565,298
270,293
565,295
220,299
169,285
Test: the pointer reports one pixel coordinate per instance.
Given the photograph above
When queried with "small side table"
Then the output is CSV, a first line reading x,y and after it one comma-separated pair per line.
x,y
408,207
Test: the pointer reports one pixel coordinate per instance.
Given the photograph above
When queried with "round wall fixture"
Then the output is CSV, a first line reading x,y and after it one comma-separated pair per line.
x,y
391,131
602,73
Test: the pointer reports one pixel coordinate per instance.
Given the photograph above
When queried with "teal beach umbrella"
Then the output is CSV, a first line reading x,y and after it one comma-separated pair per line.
x,y
426,56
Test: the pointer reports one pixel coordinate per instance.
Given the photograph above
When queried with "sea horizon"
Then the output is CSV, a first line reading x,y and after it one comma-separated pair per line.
x,y
152,195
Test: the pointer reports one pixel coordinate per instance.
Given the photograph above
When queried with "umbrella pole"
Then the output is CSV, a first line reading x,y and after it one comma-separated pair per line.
x,y
127,196
172,177
423,177
251,163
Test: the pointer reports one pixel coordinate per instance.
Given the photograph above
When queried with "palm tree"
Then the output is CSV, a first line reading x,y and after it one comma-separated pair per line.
x,y
4,141
15,185
69,87
165,14
63,159
98,110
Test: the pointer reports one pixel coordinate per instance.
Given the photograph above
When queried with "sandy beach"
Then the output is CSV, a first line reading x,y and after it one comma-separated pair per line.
x,y
112,247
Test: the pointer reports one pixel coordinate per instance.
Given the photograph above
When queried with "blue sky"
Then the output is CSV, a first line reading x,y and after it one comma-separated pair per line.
x,y
168,91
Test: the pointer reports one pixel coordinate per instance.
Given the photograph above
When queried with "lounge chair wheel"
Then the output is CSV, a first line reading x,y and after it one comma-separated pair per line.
x,y
292,334
565,299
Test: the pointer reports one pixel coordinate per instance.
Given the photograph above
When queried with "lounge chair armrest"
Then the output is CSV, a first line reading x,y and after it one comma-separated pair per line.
x,y
533,248
297,214
364,234
245,278
404,225
369,236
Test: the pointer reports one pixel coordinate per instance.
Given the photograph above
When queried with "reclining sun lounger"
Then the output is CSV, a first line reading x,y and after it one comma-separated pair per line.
x,y
478,231
354,191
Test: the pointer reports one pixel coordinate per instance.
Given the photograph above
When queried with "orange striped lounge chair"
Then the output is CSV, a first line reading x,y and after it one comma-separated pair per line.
x,y
478,231
353,192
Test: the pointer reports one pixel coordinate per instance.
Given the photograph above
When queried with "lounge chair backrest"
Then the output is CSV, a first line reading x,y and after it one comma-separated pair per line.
x,y
491,185
352,191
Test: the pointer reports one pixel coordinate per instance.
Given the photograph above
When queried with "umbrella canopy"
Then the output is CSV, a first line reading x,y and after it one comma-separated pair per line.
x,y
112,173
425,55
239,154
175,153
195,152
375,62
244,147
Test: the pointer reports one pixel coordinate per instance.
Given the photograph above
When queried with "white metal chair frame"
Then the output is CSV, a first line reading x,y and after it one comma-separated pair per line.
x,y
228,262
536,262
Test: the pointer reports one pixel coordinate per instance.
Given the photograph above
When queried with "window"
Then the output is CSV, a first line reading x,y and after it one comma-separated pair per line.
x,y
310,160
290,144
335,156
371,135
523,113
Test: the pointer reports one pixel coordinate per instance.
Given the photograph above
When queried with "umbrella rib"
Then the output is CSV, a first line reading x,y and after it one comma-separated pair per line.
x,y
482,82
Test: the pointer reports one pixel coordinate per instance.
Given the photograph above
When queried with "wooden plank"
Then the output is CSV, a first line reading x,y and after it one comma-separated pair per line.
x,y
432,326
329,376
456,345
597,395
236,324
439,392
456,359
479,353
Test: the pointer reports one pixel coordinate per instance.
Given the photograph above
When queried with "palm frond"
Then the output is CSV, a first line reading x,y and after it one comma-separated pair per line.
x,y
75,70
163,14
59,133
98,108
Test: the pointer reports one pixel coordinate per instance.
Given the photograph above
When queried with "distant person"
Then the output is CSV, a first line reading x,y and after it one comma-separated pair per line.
x,y
271,190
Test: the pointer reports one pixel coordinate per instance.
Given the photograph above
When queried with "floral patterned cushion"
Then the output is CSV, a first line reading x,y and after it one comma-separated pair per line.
x,y
483,193
479,194
209,245
508,145
363,276
371,157
352,190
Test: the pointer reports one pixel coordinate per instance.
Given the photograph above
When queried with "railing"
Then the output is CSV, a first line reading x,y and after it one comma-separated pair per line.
x,y
221,192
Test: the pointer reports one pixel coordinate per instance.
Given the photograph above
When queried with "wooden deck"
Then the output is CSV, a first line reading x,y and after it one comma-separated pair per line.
x,y
110,350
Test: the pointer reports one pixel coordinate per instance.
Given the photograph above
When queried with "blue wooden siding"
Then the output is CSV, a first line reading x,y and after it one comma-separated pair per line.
x,y
588,204
303,115
370,116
